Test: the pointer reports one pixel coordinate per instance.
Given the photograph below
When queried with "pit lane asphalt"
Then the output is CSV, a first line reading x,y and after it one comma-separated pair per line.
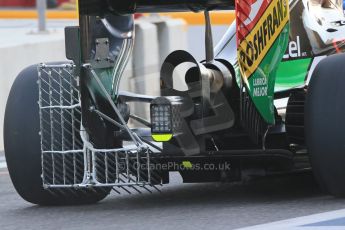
x,y
179,206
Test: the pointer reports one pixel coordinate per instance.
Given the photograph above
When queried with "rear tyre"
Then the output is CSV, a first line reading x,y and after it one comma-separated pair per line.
x,y
23,147
325,124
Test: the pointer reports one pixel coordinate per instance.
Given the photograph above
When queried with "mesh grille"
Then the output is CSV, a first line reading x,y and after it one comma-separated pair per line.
x,y
68,159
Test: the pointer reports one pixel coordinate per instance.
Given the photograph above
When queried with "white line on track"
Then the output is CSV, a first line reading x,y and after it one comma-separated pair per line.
x,y
306,223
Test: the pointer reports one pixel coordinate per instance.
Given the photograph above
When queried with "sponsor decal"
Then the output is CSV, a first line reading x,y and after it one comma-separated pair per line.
x,y
260,87
294,49
254,47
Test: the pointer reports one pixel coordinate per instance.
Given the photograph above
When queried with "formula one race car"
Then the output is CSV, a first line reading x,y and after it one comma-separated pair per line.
x,y
267,100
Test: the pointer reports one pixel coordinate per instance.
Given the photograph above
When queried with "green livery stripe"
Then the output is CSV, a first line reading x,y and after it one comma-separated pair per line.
x,y
292,74
261,84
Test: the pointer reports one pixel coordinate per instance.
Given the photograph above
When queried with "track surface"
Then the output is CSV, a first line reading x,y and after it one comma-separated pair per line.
x,y
179,206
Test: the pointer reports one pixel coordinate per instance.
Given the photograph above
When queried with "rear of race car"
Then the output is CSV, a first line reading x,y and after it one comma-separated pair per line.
x,y
223,127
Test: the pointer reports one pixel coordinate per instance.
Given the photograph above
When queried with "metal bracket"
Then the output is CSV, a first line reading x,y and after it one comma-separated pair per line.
x,y
208,38
72,46
102,58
